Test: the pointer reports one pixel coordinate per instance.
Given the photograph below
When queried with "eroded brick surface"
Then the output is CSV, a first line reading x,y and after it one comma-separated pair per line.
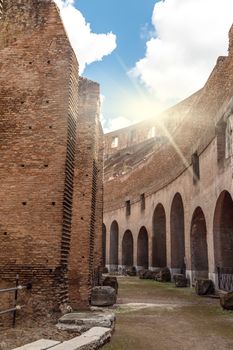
x,y
190,157
49,141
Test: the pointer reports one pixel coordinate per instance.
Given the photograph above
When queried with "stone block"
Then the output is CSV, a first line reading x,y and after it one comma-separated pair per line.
x,y
131,271
164,275
226,300
91,340
204,286
83,321
111,282
103,296
105,270
39,345
145,274
180,280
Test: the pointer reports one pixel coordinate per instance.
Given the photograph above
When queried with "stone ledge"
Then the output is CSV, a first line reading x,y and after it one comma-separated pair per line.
x,y
91,340
83,321
41,344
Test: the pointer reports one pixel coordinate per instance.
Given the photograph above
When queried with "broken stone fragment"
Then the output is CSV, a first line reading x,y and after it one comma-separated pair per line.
x,y
146,274
180,281
149,275
142,273
111,282
226,300
131,271
164,275
105,270
103,296
204,286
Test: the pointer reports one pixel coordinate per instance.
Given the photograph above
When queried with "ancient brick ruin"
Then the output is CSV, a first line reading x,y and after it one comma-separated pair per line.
x,y
168,181
168,186
51,148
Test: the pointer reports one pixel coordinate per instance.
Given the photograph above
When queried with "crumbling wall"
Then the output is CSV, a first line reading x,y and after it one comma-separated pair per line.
x,y
195,164
197,128
87,208
48,146
33,144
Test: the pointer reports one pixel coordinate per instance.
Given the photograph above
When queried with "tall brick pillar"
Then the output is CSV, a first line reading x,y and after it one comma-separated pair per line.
x,y
87,197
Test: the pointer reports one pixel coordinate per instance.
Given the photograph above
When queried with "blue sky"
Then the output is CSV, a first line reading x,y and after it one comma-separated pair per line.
x,y
130,20
146,54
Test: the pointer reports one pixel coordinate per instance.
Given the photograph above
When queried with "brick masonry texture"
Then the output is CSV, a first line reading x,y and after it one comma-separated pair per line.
x,y
51,148
162,169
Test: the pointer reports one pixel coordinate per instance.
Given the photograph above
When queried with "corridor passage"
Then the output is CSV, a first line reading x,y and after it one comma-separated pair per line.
x,y
158,316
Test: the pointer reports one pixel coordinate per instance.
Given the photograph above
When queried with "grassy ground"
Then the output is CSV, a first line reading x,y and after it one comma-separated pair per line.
x,y
177,320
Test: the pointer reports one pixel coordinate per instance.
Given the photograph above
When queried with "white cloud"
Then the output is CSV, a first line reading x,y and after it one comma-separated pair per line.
x,y
190,35
88,46
115,123
146,33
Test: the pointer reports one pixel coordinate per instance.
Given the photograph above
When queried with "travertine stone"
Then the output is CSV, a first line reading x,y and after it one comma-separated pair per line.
x,y
83,321
39,345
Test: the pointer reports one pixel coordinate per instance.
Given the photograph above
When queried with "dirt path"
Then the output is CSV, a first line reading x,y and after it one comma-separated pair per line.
x,y
170,319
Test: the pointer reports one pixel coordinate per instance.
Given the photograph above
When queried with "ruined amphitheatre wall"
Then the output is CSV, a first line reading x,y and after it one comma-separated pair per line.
x,y
202,136
50,188
150,129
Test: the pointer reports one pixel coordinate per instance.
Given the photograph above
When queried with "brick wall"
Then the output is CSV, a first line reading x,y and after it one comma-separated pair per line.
x,y
150,129
195,122
203,127
87,207
47,147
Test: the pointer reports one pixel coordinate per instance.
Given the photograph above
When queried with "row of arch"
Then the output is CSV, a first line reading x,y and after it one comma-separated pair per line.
x,y
223,238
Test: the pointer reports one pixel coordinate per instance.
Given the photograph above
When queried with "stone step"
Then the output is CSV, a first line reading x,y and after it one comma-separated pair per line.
x,y
42,344
92,339
83,321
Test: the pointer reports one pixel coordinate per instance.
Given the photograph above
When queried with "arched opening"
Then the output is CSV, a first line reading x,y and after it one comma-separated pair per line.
x,y
223,231
142,249
199,250
159,256
127,249
223,240
114,238
177,235
103,245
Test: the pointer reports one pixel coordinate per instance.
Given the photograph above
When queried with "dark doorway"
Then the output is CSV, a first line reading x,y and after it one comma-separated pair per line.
x,y
223,231
114,239
142,249
159,256
177,234
199,251
127,249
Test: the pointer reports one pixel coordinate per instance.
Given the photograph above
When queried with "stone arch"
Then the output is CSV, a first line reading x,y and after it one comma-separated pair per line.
x,y
223,231
127,249
142,248
199,249
177,234
114,240
159,255
103,245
